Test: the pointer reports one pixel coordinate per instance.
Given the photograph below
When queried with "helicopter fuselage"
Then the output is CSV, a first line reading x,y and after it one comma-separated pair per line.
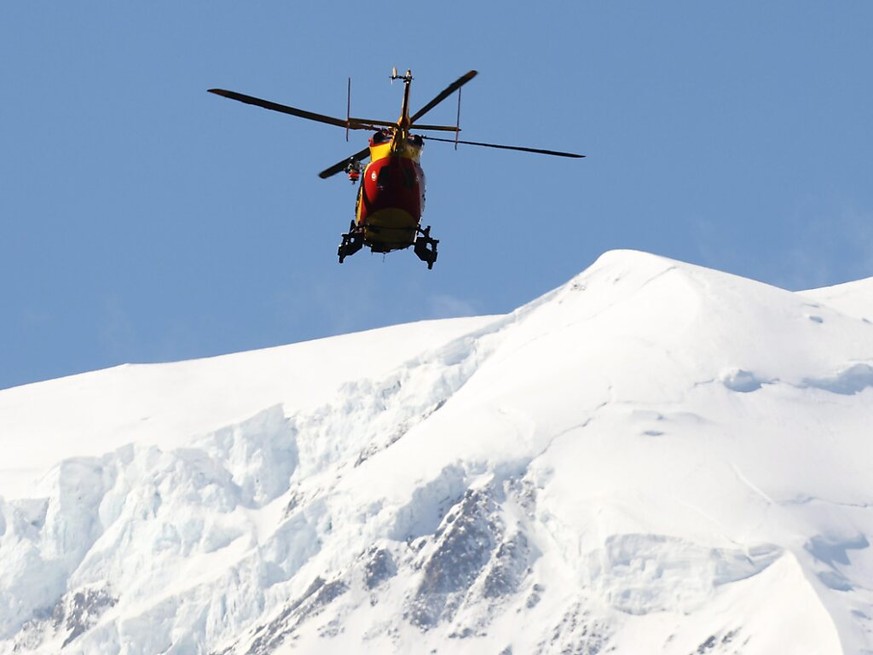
x,y
391,193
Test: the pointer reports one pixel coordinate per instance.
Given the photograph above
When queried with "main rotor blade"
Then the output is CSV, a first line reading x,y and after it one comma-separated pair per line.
x,y
372,122
341,165
285,109
449,90
438,128
541,151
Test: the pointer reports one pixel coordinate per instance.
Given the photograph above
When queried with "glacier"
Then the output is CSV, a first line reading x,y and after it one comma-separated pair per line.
x,y
655,457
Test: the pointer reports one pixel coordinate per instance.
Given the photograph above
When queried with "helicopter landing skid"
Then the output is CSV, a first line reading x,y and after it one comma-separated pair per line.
x,y
426,247
352,242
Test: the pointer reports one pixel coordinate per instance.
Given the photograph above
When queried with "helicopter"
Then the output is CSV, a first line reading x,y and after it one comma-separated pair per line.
x,y
390,197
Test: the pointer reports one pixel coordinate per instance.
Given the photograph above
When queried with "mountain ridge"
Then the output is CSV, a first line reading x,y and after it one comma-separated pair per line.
x,y
611,467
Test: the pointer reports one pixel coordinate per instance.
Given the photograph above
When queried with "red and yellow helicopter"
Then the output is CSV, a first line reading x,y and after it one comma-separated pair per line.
x,y
390,198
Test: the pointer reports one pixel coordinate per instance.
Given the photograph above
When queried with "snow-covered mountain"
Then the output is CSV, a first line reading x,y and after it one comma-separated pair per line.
x,y
653,458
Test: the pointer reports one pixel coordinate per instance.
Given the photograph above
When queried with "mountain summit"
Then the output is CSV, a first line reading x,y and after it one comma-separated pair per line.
x,y
653,458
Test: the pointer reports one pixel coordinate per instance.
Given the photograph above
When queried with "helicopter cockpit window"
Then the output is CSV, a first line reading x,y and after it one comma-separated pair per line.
x,y
381,136
384,178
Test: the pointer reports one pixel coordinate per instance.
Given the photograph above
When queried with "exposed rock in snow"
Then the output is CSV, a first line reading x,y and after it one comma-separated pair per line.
x,y
654,457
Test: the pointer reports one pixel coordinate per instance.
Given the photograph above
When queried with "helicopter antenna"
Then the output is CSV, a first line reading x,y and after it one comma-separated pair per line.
x,y
457,120
349,108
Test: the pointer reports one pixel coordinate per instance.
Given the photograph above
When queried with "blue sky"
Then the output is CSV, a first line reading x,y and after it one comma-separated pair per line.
x,y
145,220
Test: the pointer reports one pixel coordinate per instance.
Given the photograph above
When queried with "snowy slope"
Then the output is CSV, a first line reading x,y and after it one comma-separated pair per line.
x,y
852,298
653,458
168,404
